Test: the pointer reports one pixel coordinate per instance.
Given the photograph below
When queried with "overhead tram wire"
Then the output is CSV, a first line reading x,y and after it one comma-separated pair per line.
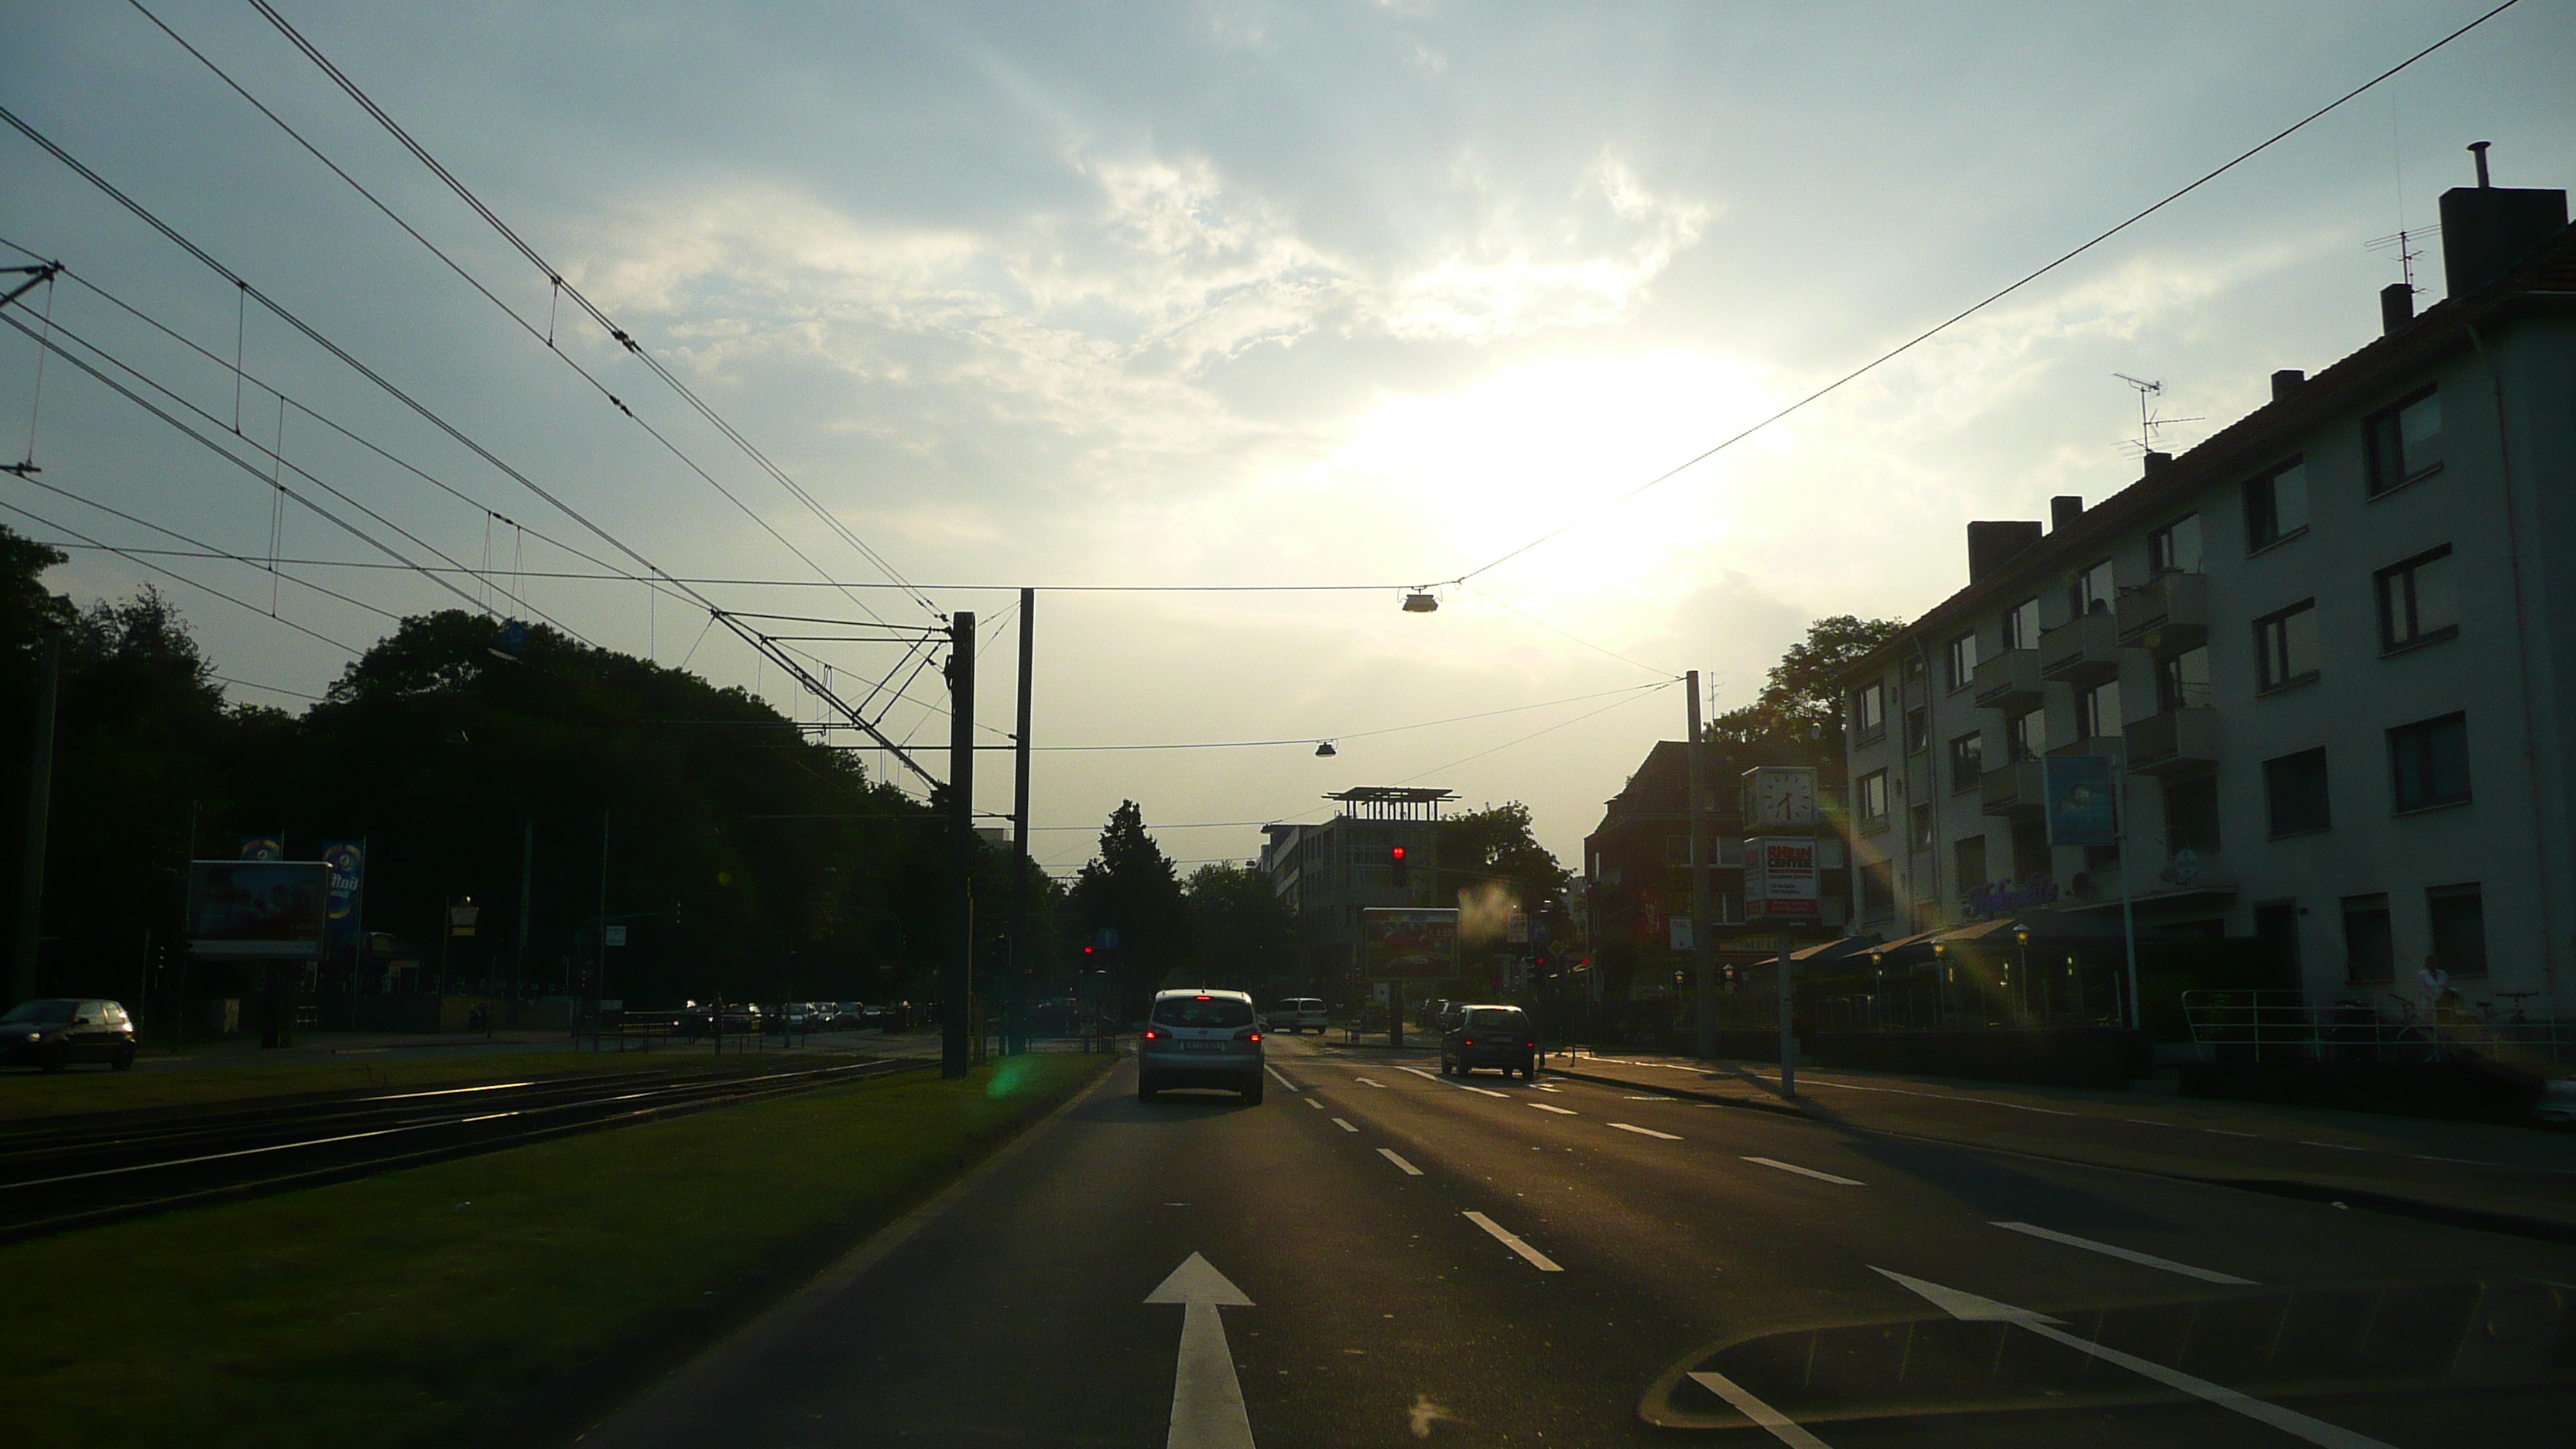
x,y
747,635
554,276
1983,303
349,649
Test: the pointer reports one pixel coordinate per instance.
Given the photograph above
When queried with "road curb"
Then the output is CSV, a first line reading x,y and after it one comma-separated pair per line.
x,y
1720,1099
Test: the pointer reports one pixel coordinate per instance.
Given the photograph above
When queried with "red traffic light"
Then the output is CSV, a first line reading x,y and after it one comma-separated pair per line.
x,y
1395,852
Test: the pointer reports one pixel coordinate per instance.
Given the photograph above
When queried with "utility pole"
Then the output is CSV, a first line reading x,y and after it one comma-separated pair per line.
x,y
1017,965
24,980
956,980
601,949
527,881
1703,939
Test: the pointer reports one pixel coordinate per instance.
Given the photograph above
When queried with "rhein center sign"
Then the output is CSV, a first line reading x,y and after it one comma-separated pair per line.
x,y
1780,878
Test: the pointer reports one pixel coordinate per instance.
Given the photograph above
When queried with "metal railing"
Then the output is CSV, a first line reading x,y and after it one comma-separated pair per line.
x,y
2286,1026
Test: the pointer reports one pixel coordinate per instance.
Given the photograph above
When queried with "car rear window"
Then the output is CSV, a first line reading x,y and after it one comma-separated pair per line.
x,y
1493,1018
41,1012
1202,1011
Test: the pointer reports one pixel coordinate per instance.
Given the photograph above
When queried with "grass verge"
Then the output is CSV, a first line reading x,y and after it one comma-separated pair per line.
x,y
428,1306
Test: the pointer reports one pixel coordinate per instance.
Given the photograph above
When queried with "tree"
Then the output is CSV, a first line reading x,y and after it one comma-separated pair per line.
x,y
1241,935
1131,888
1800,701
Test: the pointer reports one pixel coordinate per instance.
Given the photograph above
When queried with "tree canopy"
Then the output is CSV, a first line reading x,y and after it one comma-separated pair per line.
x,y
1799,701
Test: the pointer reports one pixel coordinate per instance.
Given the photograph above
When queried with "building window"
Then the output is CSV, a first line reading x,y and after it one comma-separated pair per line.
x,y
1869,711
2276,506
1869,794
1920,822
1967,761
2428,762
2182,680
2416,602
2369,950
2457,914
2025,737
2398,439
2175,548
1968,860
2098,711
2285,647
1963,661
2021,625
1877,891
2191,815
2091,592
1677,850
1918,731
2294,790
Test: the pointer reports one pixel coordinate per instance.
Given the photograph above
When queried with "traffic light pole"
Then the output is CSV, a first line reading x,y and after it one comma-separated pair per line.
x,y
1022,959
23,975
956,979
1703,939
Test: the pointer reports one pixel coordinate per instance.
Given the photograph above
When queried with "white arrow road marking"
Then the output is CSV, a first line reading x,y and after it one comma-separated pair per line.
x,y
1807,1171
1365,1082
1970,1308
1646,1132
1550,1107
1461,1086
1344,1125
1538,1260
1759,1412
1283,1081
1207,1399
1389,1154
2205,1275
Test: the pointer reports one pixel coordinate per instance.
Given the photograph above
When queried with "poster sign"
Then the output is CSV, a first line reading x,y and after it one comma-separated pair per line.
x,y
348,862
1680,928
1516,931
1398,943
1780,878
613,936
2082,802
258,909
263,847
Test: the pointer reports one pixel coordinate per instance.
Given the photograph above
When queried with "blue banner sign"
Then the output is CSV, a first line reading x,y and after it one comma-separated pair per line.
x,y
2083,806
348,862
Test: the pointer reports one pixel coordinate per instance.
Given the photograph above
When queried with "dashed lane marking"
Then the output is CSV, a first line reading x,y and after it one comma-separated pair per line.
x,y
1316,1103
1365,1082
1502,1235
1389,1154
1807,1171
2109,1250
1550,1107
1283,1081
1779,1424
1646,1132
1444,1081
1344,1124
2337,1146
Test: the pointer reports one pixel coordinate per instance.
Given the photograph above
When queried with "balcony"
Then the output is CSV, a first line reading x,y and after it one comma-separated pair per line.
x,y
2014,787
2176,743
2167,616
2083,650
2009,681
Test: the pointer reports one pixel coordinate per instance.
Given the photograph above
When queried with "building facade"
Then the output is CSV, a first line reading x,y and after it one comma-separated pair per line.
x,y
1325,874
2331,652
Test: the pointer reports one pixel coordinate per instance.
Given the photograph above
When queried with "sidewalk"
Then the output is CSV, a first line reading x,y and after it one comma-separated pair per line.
x,y
2508,1179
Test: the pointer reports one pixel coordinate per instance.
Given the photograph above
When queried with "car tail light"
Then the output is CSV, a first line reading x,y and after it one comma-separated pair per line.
x,y
1533,1046
1247,1034
1471,1041
1152,1035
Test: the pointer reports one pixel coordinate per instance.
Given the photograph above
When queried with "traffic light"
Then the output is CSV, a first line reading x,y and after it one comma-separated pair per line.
x,y
1398,873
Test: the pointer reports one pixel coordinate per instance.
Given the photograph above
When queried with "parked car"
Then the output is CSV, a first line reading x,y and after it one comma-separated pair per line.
x,y
1488,1036
1199,1039
1298,1014
54,1032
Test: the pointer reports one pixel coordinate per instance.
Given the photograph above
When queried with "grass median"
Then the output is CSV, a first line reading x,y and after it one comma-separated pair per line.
x,y
418,1307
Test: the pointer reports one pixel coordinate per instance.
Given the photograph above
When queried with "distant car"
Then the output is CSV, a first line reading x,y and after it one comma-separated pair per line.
x,y
54,1032
1199,1039
1297,1014
1488,1036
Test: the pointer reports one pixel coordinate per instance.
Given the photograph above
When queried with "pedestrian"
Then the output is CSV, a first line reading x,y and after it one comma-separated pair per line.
x,y
2436,983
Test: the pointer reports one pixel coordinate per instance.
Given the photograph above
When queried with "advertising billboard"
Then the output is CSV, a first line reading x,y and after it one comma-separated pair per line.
x,y
1780,878
1401,944
260,909
2083,805
348,862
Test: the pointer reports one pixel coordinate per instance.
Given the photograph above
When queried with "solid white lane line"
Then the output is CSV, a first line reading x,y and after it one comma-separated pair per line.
x,y
2132,1255
1283,1081
1807,1171
1759,1412
1646,1099
1389,1154
1444,1081
1560,1111
1538,1260
1365,1082
1344,1124
446,1092
1645,1131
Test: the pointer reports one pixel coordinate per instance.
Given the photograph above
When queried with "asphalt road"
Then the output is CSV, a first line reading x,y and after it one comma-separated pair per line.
x,y
1388,1258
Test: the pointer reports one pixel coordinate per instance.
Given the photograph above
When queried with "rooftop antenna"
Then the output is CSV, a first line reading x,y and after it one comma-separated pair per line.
x,y
2148,419
2407,252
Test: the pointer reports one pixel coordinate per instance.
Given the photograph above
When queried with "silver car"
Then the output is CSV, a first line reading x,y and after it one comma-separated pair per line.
x,y
1201,1038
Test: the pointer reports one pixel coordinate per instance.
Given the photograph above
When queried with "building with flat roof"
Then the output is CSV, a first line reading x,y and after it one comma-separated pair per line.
x,y
1326,873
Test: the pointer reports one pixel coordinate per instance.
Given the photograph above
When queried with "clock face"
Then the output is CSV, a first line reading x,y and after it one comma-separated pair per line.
x,y
1785,797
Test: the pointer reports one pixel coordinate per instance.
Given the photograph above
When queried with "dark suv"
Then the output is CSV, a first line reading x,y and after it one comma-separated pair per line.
x,y
1488,1036
55,1032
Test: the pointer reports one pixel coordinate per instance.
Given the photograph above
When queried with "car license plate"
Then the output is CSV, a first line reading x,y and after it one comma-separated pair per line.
x,y
1203,1046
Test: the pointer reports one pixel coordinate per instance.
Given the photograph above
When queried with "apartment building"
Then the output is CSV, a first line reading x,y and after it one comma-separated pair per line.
x,y
1325,874
2331,652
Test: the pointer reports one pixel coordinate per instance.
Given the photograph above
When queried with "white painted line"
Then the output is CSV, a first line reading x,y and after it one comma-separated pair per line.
x,y
1207,1397
1646,1132
2129,1254
1344,1124
1444,1081
1759,1412
2144,1122
2337,1146
1560,1111
446,1092
2223,1132
1548,1089
1538,1260
2462,1161
1647,1099
1283,1081
486,1117
1970,1308
1807,1171
1365,1082
1388,1153
1943,1097
1315,1102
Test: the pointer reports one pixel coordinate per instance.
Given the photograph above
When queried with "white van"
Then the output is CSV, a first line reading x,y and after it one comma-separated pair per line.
x,y
1297,1014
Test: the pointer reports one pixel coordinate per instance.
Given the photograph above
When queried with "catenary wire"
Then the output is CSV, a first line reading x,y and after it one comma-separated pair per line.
x,y
347,649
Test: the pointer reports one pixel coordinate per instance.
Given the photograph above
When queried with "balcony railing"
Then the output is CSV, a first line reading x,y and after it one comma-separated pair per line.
x,y
2167,616
2014,787
2009,680
2178,742
2083,650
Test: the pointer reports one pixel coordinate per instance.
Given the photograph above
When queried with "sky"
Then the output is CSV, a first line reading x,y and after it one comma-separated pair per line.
x,y
1142,304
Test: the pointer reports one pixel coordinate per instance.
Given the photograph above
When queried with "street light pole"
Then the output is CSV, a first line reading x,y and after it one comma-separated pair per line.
x,y
1703,939
956,979
1021,959
40,795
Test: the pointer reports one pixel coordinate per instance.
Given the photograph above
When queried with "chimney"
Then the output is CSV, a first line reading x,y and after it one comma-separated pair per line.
x,y
2287,381
1991,545
2396,306
2063,510
2155,464
2487,228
